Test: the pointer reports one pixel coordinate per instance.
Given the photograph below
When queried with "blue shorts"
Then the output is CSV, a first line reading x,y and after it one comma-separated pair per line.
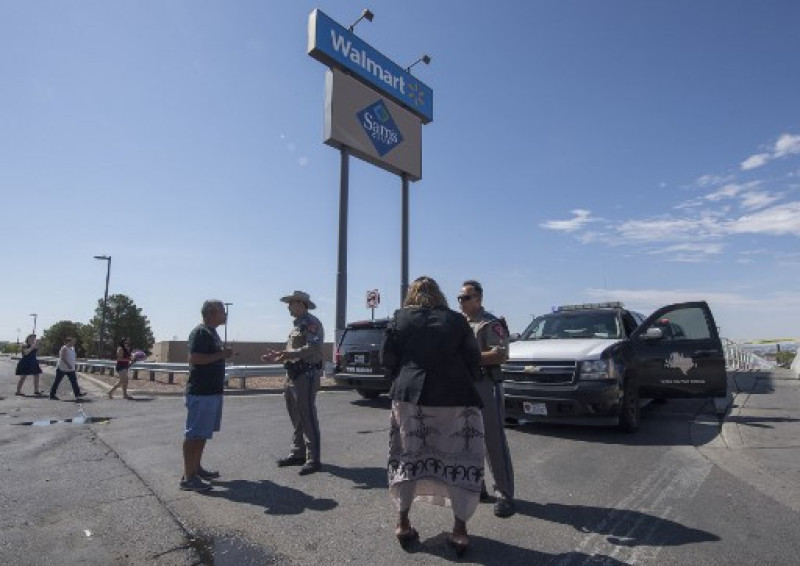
x,y
204,415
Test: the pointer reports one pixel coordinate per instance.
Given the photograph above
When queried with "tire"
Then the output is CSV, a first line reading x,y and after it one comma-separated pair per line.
x,y
368,393
630,415
510,422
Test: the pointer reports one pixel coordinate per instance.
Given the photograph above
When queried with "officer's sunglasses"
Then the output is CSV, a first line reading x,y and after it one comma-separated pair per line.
x,y
464,298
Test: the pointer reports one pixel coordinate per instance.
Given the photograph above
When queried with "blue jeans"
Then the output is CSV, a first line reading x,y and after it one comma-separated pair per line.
x,y
73,380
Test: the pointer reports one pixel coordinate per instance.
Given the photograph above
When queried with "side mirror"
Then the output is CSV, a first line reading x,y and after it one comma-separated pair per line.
x,y
513,337
653,334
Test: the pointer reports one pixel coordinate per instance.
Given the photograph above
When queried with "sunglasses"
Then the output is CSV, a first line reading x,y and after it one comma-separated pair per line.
x,y
464,298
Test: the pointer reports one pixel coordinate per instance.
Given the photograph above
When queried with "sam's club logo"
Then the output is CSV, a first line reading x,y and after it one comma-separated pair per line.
x,y
380,127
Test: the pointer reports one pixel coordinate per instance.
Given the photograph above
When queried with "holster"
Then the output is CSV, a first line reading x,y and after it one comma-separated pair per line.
x,y
296,368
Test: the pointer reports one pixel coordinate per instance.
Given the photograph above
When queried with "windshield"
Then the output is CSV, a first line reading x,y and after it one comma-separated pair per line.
x,y
369,338
574,324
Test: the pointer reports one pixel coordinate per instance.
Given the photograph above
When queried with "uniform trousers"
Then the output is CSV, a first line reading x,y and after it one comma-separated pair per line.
x,y
497,452
301,395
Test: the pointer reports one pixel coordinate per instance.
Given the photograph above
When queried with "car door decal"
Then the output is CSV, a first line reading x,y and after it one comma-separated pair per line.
x,y
676,360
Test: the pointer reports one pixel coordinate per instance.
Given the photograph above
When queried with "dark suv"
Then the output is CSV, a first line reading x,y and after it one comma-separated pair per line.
x,y
598,361
357,359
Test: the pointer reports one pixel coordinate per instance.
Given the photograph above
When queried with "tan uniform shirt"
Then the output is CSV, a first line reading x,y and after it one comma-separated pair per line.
x,y
306,339
490,333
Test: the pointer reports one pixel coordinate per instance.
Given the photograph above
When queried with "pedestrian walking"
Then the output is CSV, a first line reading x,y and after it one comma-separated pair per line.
x,y
123,364
203,394
492,340
436,431
29,365
66,366
302,359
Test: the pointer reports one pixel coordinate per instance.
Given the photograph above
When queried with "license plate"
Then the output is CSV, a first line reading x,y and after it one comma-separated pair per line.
x,y
534,408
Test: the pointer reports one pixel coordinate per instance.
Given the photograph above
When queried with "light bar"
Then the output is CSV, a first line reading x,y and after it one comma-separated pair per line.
x,y
587,306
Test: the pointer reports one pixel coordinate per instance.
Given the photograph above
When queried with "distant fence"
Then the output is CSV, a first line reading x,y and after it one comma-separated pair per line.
x,y
104,367
738,359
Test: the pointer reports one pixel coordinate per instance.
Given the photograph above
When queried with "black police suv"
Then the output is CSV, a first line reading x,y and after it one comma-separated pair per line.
x,y
357,362
599,361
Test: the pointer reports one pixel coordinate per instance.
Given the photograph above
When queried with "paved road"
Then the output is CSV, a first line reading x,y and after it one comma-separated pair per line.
x,y
681,491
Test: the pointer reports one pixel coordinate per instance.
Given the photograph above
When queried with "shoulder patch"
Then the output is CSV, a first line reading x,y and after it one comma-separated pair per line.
x,y
312,328
497,328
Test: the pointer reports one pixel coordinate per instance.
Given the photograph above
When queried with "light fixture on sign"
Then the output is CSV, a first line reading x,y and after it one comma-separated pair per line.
x,y
424,59
365,15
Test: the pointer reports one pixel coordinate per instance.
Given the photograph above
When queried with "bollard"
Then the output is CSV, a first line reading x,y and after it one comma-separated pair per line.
x,y
243,379
136,374
170,378
152,376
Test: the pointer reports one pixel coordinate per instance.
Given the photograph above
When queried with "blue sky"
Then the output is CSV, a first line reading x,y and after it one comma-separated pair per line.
x,y
640,151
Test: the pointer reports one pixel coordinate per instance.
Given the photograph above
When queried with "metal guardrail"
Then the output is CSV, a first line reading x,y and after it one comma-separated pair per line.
x,y
102,367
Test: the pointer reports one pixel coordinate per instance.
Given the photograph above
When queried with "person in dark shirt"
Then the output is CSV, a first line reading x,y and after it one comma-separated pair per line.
x,y
203,394
436,445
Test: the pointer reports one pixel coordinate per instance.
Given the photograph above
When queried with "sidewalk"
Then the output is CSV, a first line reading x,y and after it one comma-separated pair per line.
x,y
760,437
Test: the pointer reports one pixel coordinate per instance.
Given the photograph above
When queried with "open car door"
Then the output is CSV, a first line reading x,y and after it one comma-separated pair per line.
x,y
678,353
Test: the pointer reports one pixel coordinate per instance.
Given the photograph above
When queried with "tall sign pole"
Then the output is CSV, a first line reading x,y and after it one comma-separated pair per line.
x,y
341,272
374,110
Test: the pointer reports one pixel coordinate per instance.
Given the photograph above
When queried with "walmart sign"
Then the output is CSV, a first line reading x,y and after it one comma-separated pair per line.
x,y
336,46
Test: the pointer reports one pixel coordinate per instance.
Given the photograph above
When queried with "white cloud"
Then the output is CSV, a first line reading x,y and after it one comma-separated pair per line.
x,y
754,161
787,144
303,161
777,220
708,248
711,180
670,229
581,218
728,191
754,200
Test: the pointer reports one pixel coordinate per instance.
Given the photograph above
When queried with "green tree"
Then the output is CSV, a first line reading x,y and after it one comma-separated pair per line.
x,y
123,320
11,348
784,358
55,336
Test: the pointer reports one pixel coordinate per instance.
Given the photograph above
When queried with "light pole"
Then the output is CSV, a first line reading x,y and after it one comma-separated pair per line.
x,y
34,315
100,348
225,340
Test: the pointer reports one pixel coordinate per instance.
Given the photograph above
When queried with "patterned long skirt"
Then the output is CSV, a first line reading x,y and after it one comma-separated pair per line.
x,y
436,456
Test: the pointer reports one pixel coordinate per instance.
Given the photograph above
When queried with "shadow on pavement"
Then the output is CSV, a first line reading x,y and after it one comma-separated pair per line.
x,y
484,550
619,525
759,422
363,478
275,499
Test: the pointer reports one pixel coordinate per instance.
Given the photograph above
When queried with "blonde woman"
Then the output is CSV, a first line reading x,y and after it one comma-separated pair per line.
x,y
29,365
436,445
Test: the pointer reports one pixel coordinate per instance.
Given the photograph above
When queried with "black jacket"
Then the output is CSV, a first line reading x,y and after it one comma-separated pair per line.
x,y
432,358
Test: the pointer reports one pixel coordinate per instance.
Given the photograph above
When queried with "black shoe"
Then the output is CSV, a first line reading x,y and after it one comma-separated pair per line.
x,y
54,398
207,474
291,461
309,468
504,507
81,394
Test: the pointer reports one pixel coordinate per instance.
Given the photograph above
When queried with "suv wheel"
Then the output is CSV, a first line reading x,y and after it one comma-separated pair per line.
x,y
368,393
630,414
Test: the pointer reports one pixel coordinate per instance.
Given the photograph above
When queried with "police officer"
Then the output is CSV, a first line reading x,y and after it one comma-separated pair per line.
x,y
492,338
303,361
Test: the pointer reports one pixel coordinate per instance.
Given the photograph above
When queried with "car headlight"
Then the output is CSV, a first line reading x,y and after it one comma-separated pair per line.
x,y
595,369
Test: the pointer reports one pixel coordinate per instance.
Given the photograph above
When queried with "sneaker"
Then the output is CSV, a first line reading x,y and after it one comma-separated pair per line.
x,y
194,483
206,474
54,398
81,394
504,508
291,461
309,468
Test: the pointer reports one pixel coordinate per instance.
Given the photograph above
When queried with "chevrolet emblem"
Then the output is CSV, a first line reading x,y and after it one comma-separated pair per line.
x,y
532,369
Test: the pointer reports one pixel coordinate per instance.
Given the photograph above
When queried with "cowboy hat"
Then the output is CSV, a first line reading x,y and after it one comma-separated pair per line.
x,y
300,296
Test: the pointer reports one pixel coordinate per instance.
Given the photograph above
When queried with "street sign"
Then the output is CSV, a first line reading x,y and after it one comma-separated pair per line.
x,y
373,299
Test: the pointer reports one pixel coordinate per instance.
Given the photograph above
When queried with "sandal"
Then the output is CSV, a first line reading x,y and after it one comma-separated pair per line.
x,y
459,543
406,536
